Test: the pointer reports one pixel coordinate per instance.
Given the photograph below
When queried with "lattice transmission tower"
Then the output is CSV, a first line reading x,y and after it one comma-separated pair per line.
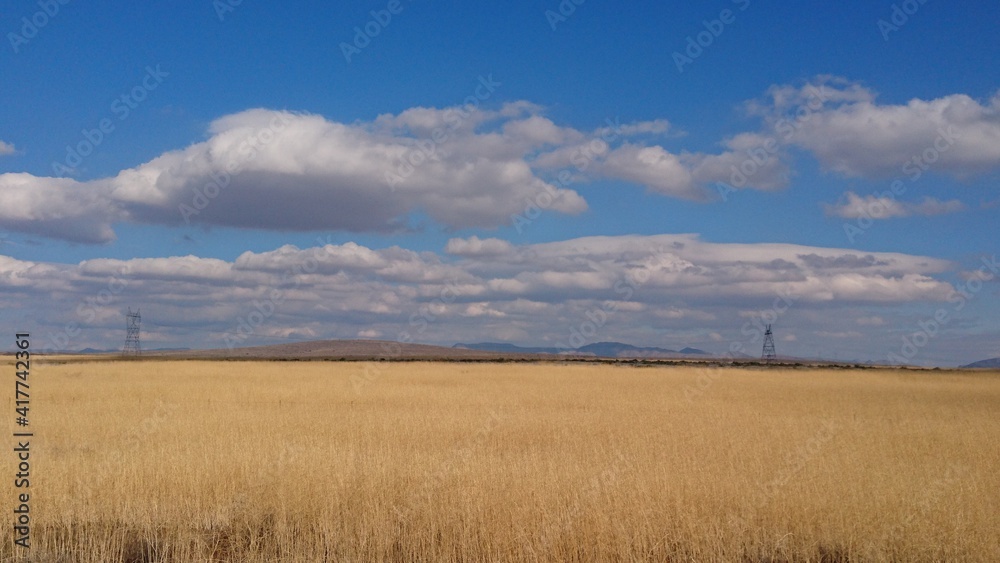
x,y
768,355
133,346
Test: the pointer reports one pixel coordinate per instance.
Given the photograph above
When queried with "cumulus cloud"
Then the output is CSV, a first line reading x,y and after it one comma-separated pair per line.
x,y
278,170
838,121
854,206
461,166
467,167
474,246
57,207
311,173
849,132
474,289
654,167
6,148
610,154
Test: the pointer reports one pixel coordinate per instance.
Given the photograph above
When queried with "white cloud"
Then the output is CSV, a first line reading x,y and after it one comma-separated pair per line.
x,y
540,291
474,246
676,313
540,131
319,174
841,123
465,168
482,309
655,168
6,148
685,175
462,167
275,170
854,206
57,207
752,161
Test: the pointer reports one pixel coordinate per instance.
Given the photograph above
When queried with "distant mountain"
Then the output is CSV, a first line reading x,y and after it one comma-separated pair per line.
x,y
620,350
599,349
991,363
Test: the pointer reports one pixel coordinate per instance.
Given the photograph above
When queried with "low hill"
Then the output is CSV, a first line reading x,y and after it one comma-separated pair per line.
x,y
360,350
599,349
991,363
343,349
116,351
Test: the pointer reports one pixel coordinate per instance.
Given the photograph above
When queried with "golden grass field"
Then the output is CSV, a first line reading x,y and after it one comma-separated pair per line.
x,y
319,461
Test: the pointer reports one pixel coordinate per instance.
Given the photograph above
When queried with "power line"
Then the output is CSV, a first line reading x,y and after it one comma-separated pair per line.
x,y
768,356
133,346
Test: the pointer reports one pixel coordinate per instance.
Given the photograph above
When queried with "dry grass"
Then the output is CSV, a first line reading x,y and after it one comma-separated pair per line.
x,y
276,461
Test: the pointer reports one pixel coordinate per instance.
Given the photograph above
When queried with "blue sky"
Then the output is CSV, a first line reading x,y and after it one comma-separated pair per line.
x,y
206,75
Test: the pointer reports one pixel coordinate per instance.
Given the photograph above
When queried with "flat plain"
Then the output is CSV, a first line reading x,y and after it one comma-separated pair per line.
x,y
170,460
